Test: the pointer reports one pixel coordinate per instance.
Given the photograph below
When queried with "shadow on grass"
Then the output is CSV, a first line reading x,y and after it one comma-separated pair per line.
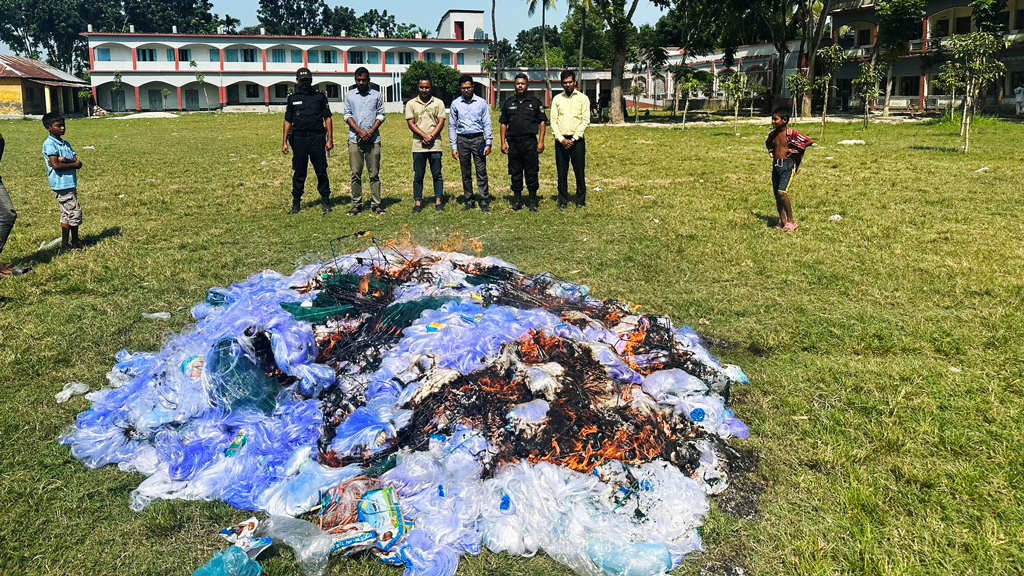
x,y
770,220
47,256
948,149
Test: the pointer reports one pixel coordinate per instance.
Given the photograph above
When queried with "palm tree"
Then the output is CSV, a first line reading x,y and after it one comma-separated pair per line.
x,y
584,6
531,8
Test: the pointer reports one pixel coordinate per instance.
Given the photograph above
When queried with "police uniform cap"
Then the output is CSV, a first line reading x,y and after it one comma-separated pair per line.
x,y
303,73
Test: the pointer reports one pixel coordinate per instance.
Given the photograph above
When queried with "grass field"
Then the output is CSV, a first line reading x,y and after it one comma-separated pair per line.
x,y
884,350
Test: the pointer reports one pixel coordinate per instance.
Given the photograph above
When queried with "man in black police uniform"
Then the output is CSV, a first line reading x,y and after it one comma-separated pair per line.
x,y
522,117
309,128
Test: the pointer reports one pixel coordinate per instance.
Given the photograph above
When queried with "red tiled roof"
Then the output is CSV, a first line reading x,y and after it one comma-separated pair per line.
x,y
28,69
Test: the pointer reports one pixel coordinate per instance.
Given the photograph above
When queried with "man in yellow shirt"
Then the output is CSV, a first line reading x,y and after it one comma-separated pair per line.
x,y
570,116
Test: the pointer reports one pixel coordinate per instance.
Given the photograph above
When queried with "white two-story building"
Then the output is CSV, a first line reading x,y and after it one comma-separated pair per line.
x,y
147,72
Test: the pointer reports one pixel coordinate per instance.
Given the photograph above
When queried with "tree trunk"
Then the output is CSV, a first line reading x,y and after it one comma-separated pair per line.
x,y
675,107
967,104
497,61
824,111
779,72
618,67
805,107
952,102
736,117
579,61
888,91
686,109
544,44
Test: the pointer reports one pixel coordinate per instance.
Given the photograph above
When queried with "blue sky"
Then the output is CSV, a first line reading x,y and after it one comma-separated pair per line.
x,y
511,13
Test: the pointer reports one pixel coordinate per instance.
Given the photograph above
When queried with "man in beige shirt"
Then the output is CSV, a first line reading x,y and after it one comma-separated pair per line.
x,y
425,116
570,116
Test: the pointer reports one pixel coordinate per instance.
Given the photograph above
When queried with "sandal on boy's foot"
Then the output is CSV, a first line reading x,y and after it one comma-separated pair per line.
x,y
77,246
356,209
417,209
439,207
790,226
379,210
778,226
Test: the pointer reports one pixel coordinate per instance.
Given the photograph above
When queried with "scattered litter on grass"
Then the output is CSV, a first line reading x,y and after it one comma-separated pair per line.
x,y
157,315
419,405
88,147
648,197
144,115
955,370
850,142
71,389
597,188
835,218
980,170
50,244
263,163
120,196
830,157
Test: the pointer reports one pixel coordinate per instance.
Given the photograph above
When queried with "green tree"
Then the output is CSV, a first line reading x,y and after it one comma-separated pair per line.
x,y
585,29
830,59
976,51
799,84
635,90
495,55
288,17
530,47
951,78
865,86
531,7
201,80
165,93
781,19
987,15
445,79
158,16
732,85
85,97
754,90
618,15
342,19
899,22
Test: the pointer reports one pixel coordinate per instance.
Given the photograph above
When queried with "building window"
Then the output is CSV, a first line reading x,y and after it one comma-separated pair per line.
x,y
296,56
942,28
252,91
231,55
405,58
460,58
1018,20
389,57
184,54
446,59
910,85
170,55
277,55
963,25
314,56
864,37
330,57
145,54
373,57
214,55
430,57
103,54
355,57
332,90
248,54
1004,20
280,90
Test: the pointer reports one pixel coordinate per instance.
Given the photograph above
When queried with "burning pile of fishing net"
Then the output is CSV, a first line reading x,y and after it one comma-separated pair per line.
x,y
419,405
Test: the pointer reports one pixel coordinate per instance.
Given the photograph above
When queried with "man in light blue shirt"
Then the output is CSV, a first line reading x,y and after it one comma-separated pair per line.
x,y
469,133
364,113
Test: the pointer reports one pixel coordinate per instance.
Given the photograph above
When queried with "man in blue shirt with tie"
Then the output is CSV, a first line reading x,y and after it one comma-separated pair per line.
x,y
469,133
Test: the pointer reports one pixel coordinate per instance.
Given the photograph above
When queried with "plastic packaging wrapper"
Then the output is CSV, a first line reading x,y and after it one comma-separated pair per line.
x,y
231,562
419,405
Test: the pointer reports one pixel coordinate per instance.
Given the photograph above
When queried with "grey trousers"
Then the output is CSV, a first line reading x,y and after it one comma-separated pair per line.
x,y
7,215
469,154
368,153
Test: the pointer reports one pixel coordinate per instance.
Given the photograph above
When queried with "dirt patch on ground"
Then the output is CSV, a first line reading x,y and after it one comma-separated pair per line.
x,y
742,499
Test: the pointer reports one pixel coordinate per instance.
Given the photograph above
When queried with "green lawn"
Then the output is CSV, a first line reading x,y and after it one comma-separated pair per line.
x,y
884,350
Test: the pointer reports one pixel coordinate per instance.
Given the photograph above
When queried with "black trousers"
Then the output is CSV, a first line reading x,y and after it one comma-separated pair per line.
x,y
577,156
307,149
523,160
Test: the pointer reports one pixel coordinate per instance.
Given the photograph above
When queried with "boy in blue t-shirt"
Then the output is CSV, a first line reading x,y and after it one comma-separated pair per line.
x,y
62,165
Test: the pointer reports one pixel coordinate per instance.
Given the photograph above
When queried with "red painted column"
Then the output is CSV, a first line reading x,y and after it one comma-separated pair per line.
x,y
91,66
383,62
264,59
138,104
175,58
94,98
421,56
266,95
305,59
180,107
344,57
455,61
221,59
134,64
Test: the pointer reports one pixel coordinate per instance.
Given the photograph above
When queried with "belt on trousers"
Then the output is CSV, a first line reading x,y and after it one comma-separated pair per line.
x,y
520,136
472,135
305,133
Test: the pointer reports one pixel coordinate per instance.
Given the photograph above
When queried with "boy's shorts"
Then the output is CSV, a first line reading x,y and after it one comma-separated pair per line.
x,y
782,174
70,209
